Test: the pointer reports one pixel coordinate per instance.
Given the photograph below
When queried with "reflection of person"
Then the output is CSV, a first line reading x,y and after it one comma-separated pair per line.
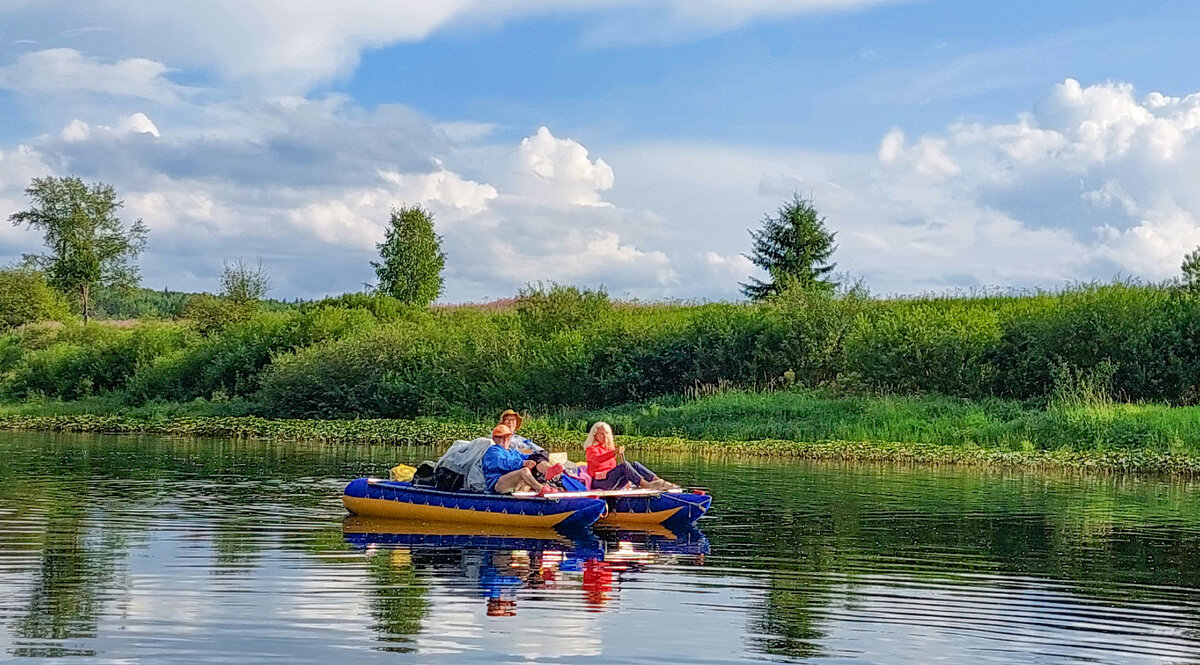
x,y
597,582
607,474
498,587
513,421
505,470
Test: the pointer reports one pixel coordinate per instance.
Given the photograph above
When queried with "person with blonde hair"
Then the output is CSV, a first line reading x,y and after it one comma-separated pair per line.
x,y
609,474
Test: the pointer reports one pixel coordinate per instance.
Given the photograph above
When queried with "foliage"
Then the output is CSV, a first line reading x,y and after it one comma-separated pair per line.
x,y
90,360
382,307
137,303
369,356
1191,270
25,297
230,362
412,258
545,309
211,314
794,247
243,283
88,243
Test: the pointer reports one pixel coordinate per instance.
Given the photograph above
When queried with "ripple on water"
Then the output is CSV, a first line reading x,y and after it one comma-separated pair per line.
x,y
182,551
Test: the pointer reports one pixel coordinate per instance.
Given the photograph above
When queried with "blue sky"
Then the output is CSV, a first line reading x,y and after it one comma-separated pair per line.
x,y
625,144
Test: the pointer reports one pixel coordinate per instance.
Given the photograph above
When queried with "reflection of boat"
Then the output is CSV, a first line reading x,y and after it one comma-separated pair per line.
x,y
673,510
658,539
364,532
401,500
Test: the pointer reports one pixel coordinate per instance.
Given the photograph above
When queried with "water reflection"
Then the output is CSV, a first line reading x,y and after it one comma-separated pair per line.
x,y
501,565
181,551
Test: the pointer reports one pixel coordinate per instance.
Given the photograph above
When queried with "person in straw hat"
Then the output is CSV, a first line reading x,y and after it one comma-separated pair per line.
x,y
513,421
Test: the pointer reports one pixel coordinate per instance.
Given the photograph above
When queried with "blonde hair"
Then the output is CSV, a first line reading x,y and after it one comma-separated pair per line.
x,y
591,437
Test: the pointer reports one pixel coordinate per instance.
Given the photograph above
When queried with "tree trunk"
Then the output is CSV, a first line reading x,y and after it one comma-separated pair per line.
x,y
86,293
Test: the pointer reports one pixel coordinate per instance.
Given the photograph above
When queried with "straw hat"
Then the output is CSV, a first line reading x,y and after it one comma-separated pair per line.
x,y
510,412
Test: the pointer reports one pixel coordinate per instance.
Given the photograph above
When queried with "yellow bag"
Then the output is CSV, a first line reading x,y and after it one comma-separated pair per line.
x,y
402,472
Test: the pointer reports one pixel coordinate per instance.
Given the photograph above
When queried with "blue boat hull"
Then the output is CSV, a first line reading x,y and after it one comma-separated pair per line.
x,y
400,500
672,510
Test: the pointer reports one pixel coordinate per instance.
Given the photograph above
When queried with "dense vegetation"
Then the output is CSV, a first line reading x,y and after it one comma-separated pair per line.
x,y
370,356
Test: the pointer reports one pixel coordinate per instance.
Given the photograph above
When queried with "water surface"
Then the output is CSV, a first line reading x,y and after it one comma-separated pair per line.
x,y
154,549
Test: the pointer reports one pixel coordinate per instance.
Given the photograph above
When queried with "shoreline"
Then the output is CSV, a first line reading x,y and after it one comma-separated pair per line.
x,y
433,432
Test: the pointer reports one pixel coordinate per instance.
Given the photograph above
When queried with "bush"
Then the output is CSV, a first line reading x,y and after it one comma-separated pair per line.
x,y
211,314
545,309
25,297
230,362
92,359
925,347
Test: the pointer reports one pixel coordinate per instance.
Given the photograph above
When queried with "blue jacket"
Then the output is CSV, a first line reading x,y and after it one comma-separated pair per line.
x,y
498,461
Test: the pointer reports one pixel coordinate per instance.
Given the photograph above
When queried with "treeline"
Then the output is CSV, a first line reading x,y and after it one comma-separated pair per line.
x,y
371,356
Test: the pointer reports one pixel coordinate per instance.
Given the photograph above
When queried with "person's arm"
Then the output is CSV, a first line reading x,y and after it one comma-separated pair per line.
x,y
495,460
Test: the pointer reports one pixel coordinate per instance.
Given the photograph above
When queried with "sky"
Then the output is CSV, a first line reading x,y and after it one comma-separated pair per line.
x,y
951,144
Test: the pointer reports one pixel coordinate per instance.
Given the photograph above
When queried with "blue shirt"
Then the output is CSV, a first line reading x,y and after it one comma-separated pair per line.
x,y
497,461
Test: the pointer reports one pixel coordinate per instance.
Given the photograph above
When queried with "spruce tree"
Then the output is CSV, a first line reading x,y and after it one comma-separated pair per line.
x,y
412,258
794,247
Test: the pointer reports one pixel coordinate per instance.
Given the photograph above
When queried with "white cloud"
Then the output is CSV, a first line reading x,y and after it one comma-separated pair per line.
x,y
64,71
290,46
137,123
1091,182
560,169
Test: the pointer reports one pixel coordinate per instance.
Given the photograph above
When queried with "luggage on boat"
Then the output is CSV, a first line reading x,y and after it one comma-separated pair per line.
x,y
425,474
461,468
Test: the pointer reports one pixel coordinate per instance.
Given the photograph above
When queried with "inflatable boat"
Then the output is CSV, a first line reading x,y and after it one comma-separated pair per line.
x,y
370,497
563,511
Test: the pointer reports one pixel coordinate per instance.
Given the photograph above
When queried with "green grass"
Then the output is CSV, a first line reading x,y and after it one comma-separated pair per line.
x,y
988,423
1096,434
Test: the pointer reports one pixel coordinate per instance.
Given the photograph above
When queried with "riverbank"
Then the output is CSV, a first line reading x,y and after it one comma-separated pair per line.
x,y
429,432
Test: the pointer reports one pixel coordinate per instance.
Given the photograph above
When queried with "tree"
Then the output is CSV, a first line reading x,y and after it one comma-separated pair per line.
x,y
794,247
411,269
88,243
245,283
1191,270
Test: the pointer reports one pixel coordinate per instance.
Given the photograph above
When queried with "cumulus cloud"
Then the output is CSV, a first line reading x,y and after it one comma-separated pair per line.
x,y
64,71
554,168
308,185
1093,181
137,123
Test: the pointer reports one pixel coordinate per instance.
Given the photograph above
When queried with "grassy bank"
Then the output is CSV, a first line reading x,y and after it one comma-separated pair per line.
x,y
360,356
1067,422
919,430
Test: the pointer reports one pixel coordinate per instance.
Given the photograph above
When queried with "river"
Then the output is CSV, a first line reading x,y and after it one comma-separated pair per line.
x,y
151,549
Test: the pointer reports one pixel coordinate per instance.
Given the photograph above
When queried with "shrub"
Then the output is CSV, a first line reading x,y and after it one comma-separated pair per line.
x,y
92,359
231,361
211,314
25,297
925,347
545,309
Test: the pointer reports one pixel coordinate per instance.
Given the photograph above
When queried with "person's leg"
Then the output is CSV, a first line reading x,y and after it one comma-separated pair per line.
x,y
617,478
643,471
514,481
652,480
